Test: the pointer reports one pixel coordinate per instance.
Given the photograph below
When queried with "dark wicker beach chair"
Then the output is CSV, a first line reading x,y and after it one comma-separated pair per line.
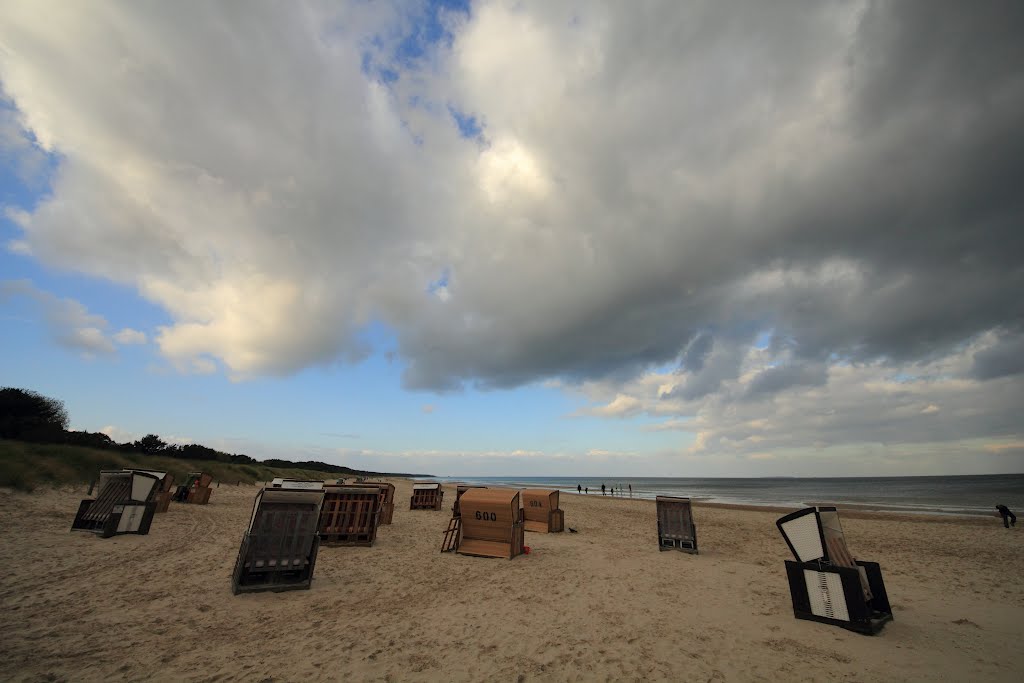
x,y
825,582
279,548
426,497
541,512
676,530
490,524
124,504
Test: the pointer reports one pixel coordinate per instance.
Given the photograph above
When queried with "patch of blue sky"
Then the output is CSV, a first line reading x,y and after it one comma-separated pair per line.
x,y
469,126
429,28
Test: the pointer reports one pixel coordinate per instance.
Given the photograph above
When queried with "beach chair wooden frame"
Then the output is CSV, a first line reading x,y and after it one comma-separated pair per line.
x,y
490,524
826,583
123,505
350,514
676,529
387,506
427,496
279,549
541,512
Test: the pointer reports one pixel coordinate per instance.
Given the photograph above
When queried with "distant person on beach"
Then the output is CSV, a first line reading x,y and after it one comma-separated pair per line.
x,y
579,488
586,489
602,489
1009,519
630,490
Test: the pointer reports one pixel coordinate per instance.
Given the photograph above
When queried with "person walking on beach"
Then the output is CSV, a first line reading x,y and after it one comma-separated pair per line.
x,y
602,489
1009,519
586,490
579,488
630,490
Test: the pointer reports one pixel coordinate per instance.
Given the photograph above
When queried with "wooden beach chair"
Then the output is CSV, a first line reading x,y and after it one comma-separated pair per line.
x,y
387,506
490,524
279,548
825,582
196,489
459,490
124,504
350,514
540,511
426,497
676,530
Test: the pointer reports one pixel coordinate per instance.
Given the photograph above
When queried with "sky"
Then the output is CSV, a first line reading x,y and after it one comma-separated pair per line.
x,y
523,238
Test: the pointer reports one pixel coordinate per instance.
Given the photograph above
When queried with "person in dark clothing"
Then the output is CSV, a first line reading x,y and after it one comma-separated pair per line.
x,y
579,488
1009,519
602,489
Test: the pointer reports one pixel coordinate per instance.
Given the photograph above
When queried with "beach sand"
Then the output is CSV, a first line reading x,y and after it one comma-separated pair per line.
x,y
603,604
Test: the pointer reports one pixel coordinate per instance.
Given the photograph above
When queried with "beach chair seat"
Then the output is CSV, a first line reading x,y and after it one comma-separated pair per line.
x,y
124,504
676,529
426,496
350,514
826,583
490,524
541,512
279,549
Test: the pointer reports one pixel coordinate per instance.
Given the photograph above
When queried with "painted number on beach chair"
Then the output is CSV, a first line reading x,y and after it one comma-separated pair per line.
x,y
535,504
485,516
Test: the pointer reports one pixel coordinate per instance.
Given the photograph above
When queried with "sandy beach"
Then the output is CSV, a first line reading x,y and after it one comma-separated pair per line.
x,y
603,604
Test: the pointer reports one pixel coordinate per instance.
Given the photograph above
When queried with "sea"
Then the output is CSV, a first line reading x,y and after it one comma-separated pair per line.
x,y
946,495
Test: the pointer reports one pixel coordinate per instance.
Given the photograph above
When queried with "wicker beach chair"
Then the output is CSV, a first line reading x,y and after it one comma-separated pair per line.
x,y
541,512
676,530
350,514
490,524
426,497
124,504
825,582
279,548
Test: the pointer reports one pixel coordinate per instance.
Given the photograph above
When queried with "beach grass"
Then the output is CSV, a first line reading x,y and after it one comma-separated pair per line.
x,y
25,466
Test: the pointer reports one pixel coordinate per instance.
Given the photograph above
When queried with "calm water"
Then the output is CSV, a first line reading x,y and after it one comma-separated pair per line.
x,y
974,495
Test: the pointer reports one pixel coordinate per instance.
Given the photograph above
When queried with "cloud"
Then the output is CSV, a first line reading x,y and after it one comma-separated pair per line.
x,y
639,189
129,336
70,324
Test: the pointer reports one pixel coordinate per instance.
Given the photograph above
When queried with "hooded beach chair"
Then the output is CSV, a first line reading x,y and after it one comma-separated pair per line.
x,y
426,497
540,511
350,514
826,583
124,504
459,490
279,548
676,530
195,490
387,506
490,524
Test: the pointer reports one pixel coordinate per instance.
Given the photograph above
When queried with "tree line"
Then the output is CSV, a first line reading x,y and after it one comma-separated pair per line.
x,y
29,416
